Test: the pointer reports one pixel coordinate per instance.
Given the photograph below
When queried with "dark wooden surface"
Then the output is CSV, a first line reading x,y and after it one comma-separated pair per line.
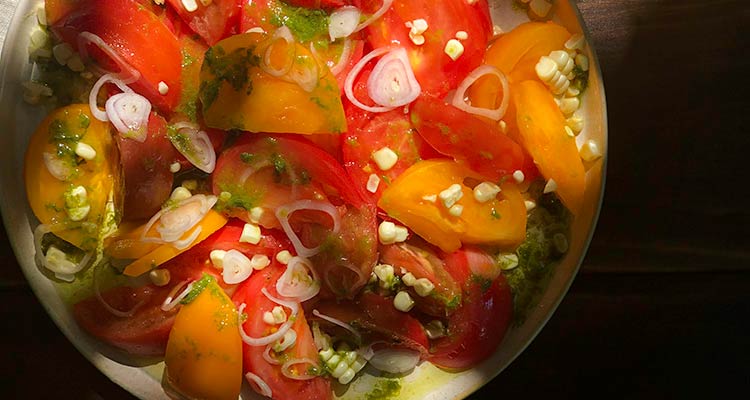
x,y
661,306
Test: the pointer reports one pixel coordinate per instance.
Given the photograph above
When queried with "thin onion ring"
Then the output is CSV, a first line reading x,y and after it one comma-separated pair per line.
x,y
285,284
460,95
286,34
294,361
170,302
379,13
265,340
114,311
392,82
94,94
354,73
127,72
283,213
262,387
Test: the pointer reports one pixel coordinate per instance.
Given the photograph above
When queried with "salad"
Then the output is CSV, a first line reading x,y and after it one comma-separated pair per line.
x,y
289,194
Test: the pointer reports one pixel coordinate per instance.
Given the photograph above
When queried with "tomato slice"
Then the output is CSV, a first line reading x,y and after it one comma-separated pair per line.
x,y
138,36
212,22
482,146
147,178
377,318
436,72
269,171
423,263
391,130
257,304
479,324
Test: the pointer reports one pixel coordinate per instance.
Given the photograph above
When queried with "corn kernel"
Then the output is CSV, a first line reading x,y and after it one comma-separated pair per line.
x,y
385,158
486,191
590,151
424,287
550,187
250,234
85,151
454,49
403,302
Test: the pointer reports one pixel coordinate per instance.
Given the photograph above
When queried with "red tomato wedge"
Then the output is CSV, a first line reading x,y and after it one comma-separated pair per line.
x,y
482,146
138,36
391,131
379,320
212,22
436,72
479,324
256,303
423,263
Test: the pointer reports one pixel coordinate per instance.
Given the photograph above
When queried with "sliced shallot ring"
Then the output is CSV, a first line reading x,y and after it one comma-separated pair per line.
x,y
340,323
236,267
459,98
201,152
286,34
392,82
283,213
292,288
346,55
170,301
94,94
68,276
174,235
285,368
259,385
127,72
268,357
129,113
343,21
354,73
283,329
379,13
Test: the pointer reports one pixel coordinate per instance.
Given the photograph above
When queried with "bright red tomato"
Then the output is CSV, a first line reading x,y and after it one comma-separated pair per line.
x,y
212,22
269,171
390,130
478,326
482,146
328,4
145,167
257,304
436,72
138,36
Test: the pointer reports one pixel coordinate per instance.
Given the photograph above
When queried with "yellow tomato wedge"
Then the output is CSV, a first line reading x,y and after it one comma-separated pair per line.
x,y
204,350
57,139
541,131
414,200
516,54
211,223
238,94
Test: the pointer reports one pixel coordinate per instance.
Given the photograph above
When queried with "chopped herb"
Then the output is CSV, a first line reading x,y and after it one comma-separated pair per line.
x,y
247,158
305,23
232,68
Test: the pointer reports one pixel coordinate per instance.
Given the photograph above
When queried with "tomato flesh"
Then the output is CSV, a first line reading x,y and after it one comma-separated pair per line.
x,y
212,22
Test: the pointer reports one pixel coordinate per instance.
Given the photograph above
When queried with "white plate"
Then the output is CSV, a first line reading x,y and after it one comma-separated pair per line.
x,y
142,379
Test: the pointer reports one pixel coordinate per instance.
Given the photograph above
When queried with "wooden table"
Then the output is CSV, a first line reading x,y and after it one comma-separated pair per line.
x,y
661,306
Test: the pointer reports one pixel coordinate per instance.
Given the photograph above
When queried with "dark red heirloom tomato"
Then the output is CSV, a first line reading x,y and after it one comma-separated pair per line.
x,y
436,72
145,166
282,387
138,36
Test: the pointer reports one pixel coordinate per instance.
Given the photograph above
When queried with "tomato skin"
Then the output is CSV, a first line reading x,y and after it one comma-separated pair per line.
x,y
328,4
479,325
256,303
392,130
138,36
423,263
379,320
298,157
482,146
100,176
212,22
436,72
147,178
